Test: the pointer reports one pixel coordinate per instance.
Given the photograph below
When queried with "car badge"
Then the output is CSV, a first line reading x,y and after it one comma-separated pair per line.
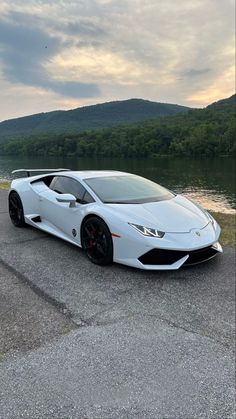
x,y
198,233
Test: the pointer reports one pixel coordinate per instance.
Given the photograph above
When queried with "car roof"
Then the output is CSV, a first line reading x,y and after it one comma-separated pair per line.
x,y
75,174
86,174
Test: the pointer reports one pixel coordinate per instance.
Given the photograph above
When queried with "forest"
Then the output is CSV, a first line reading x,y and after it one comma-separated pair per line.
x,y
199,132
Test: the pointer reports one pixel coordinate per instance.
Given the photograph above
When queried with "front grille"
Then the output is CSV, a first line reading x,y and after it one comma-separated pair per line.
x,y
196,256
161,257
168,257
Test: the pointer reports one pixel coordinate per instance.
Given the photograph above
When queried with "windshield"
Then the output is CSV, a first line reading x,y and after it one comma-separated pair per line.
x,y
128,189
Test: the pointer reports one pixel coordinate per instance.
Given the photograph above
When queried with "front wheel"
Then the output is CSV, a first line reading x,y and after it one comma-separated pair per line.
x,y
96,240
16,210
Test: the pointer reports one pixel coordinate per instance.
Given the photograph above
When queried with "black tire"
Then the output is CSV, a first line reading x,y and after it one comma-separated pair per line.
x,y
16,210
96,241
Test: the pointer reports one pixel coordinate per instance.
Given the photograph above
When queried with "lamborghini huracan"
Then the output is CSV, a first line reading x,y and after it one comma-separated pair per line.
x,y
115,216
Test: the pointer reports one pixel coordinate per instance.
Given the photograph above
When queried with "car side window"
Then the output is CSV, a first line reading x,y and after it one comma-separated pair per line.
x,y
63,184
47,180
87,198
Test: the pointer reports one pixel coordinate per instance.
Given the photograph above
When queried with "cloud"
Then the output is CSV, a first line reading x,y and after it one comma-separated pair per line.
x,y
193,72
108,49
25,50
80,27
74,89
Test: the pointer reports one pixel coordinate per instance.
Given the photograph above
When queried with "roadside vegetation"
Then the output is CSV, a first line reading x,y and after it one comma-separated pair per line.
x,y
228,226
4,185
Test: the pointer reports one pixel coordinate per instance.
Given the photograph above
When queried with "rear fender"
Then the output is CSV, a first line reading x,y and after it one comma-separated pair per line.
x,y
29,198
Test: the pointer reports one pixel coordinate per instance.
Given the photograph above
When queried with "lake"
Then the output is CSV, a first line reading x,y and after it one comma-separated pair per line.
x,y
211,182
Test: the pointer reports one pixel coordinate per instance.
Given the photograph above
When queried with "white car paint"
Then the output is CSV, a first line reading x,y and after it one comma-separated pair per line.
x,y
187,226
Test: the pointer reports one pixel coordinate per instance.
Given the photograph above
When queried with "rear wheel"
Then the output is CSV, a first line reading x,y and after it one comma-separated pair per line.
x,y
96,240
16,210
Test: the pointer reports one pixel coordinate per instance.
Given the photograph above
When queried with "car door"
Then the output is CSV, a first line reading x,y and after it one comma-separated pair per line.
x,y
60,214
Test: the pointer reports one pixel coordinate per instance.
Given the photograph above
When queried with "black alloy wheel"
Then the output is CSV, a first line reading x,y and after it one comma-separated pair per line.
x,y
96,240
16,210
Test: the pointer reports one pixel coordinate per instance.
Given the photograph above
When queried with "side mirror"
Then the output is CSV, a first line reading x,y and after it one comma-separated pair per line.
x,y
67,198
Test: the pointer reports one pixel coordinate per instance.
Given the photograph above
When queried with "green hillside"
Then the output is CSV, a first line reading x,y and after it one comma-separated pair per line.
x,y
199,132
87,118
228,101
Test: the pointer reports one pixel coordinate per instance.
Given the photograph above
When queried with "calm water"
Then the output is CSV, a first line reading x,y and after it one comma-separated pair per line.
x,y
211,182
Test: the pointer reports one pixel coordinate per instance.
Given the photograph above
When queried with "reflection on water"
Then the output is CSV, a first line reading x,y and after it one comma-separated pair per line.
x,y
210,200
210,182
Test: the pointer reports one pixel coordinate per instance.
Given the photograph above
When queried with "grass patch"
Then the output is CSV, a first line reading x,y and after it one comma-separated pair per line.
x,y
228,228
5,185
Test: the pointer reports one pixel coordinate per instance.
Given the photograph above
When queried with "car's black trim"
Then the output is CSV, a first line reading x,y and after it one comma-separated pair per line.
x,y
36,219
197,256
168,257
141,200
45,179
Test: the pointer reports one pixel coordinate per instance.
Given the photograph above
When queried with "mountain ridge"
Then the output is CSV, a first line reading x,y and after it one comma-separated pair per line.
x,y
205,132
231,100
102,115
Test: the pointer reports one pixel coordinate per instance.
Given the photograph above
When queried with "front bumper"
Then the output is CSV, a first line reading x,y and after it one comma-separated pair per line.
x,y
170,252
171,257
164,259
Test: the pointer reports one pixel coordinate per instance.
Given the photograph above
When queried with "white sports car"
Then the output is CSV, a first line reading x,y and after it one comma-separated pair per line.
x,y
116,216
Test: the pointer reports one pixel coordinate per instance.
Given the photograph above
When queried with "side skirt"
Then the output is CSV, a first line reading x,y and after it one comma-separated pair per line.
x,y
49,228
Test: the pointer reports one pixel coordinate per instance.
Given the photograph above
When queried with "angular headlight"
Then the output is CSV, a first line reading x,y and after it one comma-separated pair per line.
x,y
146,231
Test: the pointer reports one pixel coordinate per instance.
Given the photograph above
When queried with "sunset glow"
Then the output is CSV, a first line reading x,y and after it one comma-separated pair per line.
x,y
58,55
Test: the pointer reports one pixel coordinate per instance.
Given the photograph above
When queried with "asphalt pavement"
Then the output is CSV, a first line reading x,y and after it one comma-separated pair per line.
x,y
146,344
27,320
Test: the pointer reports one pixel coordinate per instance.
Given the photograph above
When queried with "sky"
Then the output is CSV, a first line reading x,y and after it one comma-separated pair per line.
x,y
63,54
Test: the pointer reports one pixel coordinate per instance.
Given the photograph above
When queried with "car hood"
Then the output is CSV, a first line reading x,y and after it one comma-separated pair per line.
x,y
176,215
